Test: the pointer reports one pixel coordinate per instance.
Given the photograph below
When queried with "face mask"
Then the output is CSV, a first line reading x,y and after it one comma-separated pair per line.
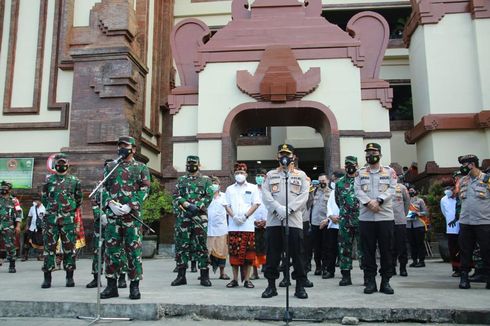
x,y
464,170
372,159
123,152
4,191
191,168
61,168
240,178
34,203
215,187
285,160
350,169
331,185
259,180
412,193
448,193
323,185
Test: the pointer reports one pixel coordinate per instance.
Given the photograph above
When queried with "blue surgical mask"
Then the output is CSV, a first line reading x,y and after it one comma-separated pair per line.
x,y
259,180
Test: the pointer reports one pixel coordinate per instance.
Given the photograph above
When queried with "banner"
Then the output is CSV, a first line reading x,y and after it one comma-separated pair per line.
x,y
17,171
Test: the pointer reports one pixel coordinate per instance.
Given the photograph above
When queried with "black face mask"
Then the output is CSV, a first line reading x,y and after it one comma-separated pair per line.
x,y
323,185
123,152
372,159
285,160
191,168
350,169
464,170
61,168
4,191
412,193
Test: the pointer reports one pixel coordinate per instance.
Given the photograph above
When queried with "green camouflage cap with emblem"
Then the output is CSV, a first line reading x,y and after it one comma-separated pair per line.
x,y
192,159
285,148
350,160
61,157
127,140
469,158
373,147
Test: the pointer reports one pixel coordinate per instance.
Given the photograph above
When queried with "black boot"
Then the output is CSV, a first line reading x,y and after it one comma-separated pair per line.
x,y
346,280
464,283
180,280
385,286
477,277
47,280
12,267
403,270
205,277
284,283
134,290
176,269
111,290
307,283
193,267
300,292
69,279
365,280
271,290
371,285
326,274
93,283
121,282
413,263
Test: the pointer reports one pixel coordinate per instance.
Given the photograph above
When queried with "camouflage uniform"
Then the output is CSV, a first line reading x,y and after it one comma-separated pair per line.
x,y
129,184
8,217
346,200
62,195
191,231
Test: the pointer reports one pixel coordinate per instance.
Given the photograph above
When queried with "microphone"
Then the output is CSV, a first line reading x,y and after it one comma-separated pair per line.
x,y
119,159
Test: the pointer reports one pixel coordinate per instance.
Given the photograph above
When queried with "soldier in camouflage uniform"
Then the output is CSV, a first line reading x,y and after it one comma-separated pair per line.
x,y
124,193
10,219
62,195
346,200
193,194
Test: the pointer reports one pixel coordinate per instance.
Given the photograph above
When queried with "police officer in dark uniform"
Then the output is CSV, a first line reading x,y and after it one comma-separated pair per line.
x,y
274,198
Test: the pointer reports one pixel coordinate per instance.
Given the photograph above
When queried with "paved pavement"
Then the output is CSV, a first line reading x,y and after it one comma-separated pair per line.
x,y
426,295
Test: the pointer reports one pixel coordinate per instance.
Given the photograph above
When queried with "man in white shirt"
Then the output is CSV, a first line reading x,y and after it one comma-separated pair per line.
x,y
242,199
448,209
33,236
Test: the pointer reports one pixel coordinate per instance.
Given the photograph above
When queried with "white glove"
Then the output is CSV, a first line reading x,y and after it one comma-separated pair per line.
x,y
125,208
281,212
103,219
116,208
239,219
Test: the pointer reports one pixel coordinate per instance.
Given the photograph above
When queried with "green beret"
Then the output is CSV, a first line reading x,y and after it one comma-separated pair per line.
x,y
192,159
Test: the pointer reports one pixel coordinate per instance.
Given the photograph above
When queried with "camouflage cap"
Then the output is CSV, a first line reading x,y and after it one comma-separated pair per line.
x,y
456,174
350,160
469,158
285,148
373,147
192,159
61,157
5,184
262,171
127,140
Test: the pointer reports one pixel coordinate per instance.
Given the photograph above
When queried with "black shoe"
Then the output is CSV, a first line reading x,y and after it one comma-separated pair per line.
x,y
205,277
365,283
307,283
300,292
403,271
317,272
193,267
370,286
477,277
346,280
385,287
456,274
180,280
69,279
121,282
47,280
134,290
413,264
93,283
464,282
269,292
284,283
176,269
111,290
327,275
420,264
12,266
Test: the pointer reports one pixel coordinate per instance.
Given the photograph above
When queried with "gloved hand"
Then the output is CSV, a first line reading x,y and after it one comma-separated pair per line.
x,y
239,219
453,223
126,208
192,210
281,212
103,219
116,208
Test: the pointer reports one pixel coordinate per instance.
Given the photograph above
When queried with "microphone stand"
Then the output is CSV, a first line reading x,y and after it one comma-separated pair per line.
x,y
98,316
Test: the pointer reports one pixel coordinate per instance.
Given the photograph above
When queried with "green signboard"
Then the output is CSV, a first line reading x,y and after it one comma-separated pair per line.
x,y
17,171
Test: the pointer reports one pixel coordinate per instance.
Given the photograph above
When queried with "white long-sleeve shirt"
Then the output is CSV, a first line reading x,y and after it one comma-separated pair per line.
x,y
332,209
448,209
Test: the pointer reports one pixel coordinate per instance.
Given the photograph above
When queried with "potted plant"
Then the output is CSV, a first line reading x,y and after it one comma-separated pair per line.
x,y
155,206
438,222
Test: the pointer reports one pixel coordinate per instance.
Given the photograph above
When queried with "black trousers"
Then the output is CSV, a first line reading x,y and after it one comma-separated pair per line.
x,y
469,235
332,249
416,238
454,252
381,234
275,247
319,246
400,244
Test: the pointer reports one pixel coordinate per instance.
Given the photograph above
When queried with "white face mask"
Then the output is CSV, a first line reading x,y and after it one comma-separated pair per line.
x,y
34,203
448,193
215,187
240,178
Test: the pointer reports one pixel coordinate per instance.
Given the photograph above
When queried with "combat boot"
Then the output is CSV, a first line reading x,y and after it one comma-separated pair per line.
x,y
300,292
477,277
307,283
326,274
271,290
121,282
346,280
12,266
370,285
69,279
180,280
134,290
47,280
205,277
464,283
93,283
403,270
385,287
193,267
111,290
